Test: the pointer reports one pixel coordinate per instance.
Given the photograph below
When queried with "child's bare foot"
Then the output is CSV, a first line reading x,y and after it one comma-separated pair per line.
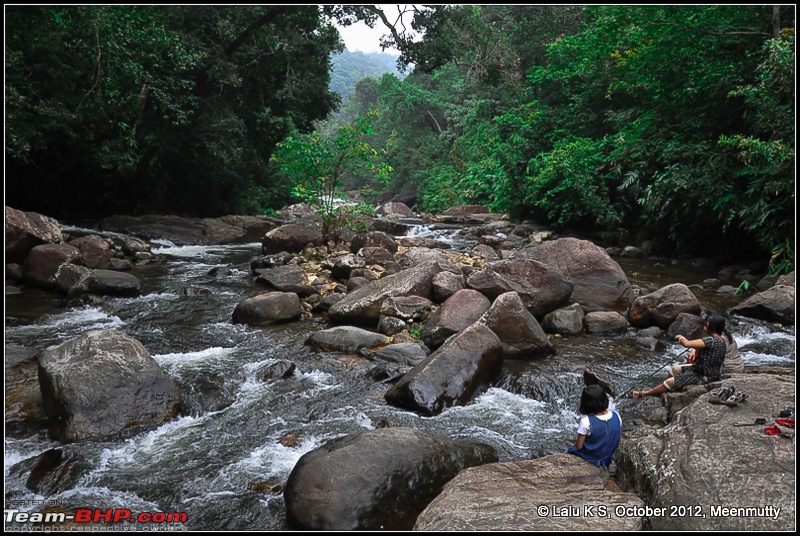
x,y
636,394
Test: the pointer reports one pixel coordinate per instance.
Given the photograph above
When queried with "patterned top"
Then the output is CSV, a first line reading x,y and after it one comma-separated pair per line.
x,y
708,365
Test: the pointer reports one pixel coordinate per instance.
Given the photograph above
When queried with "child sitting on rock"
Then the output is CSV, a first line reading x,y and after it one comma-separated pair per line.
x,y
599,430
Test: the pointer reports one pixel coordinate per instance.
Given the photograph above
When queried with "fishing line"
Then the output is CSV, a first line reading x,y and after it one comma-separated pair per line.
x,y
671,359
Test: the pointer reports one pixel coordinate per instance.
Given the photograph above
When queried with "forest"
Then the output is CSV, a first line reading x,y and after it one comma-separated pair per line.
x,y
677,120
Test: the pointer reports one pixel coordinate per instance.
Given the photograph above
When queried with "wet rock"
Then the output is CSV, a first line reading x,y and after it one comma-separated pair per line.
x,y
453,375
632,252
107,283
268,308
95,251
289,278
542,288
599,282
23,398
276,371
346,339
460,311
605,322
363,305
663,306
42,263
408,308
518,331
565,321
775,304
220,272
376,256
120,265
390,325
104,383
406,353
57,470
292,237
689,325
492,497
26,230
375,480
343,266
68,275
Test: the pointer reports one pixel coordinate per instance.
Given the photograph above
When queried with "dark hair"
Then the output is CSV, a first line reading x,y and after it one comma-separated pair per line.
x,y
716,324
593,400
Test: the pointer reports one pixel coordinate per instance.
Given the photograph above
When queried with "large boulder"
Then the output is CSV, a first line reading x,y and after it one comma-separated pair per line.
x,y
599,282
95,251
26,230
721,477
605,322
460,311
518,331
268,308
363,305
565,321
662,307
23,398
180,230
395,209
774,305
542,288
419,255
104,383
288,278
445,284
453,375
291,237
558,493
373,239
375,480
41,266
107,283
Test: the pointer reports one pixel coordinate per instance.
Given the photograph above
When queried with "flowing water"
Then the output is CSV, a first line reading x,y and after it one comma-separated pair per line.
x,y
223,463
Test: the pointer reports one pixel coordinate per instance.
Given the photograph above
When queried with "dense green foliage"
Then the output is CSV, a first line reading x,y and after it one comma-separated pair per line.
x,y
674,120
170,109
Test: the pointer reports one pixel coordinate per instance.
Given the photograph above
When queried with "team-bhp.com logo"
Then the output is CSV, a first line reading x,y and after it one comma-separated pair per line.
x,y
94,515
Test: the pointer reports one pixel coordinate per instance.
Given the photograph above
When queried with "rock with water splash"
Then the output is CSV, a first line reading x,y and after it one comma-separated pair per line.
x,y
774,305
23,398
508,497
104,383
375,480
462,368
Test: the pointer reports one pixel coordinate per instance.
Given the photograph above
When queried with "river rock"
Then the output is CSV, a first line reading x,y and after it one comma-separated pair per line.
x,y
363,305
68,275
786,279
416,256
343,266
460,311
373,239
599,282
104,383
508,497
775,304
485,252
395,209
346,339
26,230
404,353
57,470
605,322
23,398
445,284
277,370
518,331
565,321
452,375
107,283
376,256
179,230
291,237
700,460
686,324
268,308
408,308
289,278
542,288
375,480
42,263
663,306
95,251
391,325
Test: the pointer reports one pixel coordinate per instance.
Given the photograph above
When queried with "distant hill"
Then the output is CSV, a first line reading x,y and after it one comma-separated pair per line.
x,y
350,67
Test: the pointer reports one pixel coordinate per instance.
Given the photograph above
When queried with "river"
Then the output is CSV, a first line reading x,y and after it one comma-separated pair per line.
x,y
223,463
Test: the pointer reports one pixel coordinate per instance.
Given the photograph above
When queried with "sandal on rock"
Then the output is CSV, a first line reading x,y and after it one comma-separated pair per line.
x,y
719,396
734,399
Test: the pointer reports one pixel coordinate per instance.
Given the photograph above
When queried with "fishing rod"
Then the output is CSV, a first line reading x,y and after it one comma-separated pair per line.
x,y
671,359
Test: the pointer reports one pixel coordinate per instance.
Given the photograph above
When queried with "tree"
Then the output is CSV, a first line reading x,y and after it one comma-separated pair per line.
x,y
316,167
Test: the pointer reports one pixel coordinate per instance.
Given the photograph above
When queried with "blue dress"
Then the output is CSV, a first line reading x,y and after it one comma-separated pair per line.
x,y
600,445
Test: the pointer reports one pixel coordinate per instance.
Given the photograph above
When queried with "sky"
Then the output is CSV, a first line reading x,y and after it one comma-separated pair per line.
x,y
361,37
